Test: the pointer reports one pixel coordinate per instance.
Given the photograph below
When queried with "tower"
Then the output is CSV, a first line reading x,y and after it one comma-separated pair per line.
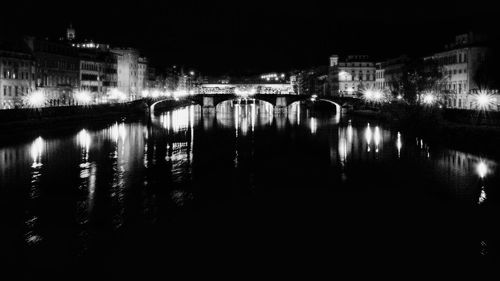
x,y
70,33
334,60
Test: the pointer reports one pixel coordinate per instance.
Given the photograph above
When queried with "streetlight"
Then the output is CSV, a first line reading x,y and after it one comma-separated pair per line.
x,y
429,98
484,99
36,99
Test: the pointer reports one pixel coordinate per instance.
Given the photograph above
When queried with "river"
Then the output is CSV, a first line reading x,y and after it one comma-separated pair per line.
x,y
242,187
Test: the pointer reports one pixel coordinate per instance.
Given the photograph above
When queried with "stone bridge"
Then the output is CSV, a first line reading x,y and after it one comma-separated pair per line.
x,y
279,101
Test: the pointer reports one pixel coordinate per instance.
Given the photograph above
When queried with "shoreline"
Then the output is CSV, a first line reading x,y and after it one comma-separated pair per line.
x,y
467,137
12,131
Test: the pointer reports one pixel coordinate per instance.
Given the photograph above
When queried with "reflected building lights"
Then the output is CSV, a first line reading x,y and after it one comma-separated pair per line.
x,y
118,132
313,124
36,151
84,140
368,136
376,138
399,144
482,169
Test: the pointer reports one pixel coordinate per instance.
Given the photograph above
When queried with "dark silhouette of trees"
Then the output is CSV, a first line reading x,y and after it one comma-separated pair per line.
x,y
417,77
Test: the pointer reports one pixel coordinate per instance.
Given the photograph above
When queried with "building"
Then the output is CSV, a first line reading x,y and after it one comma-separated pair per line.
x,y
98,72
57,70
313,81
459,63
380,83
128,72
17,73
390,71
142,75
355,73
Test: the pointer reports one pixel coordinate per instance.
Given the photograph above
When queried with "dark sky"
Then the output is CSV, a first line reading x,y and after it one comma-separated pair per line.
x,y
254,36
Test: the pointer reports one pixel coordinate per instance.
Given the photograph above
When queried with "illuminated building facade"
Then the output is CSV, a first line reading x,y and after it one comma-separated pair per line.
x,y
98,72
57,70
142,75
128,72
17,72
380,83
356,73
459,65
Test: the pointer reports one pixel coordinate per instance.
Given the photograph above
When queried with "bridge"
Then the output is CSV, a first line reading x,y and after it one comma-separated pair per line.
x,y
279,95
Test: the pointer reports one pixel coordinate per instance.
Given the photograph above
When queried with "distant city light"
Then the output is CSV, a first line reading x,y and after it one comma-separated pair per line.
x,y
36,99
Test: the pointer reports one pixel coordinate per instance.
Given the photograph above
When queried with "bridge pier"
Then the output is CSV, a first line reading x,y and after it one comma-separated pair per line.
x,y
281,105
208,102
280,110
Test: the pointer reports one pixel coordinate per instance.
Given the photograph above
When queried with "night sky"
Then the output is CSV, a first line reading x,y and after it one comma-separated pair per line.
x,y
238,37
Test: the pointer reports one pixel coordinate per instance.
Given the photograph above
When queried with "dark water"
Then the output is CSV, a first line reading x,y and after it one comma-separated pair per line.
x,y
241,188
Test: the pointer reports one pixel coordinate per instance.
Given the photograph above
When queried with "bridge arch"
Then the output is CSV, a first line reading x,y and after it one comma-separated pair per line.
x,y
338,107
236,98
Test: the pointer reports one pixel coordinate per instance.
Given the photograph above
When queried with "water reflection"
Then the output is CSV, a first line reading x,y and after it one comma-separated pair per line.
x,y
127,174
399,144
37,148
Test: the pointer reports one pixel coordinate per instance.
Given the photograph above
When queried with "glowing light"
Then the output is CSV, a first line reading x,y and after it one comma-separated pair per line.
x,y
344,76
376,138
180,93
484,99
84,139
313,125
83,97
118,132
368,136
245,93
36,151
399,144
36,99
429,98
374,95
115,94
482,196
399,97
482,169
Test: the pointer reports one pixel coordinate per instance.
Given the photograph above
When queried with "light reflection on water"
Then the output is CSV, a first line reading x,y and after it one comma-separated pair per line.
x,y
129,161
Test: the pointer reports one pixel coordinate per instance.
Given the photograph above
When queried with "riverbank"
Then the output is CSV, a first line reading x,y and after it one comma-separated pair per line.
x,y
463,130
32,122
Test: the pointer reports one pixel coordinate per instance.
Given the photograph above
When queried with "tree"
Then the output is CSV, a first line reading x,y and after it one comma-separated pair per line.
x,y
415,78
487,75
